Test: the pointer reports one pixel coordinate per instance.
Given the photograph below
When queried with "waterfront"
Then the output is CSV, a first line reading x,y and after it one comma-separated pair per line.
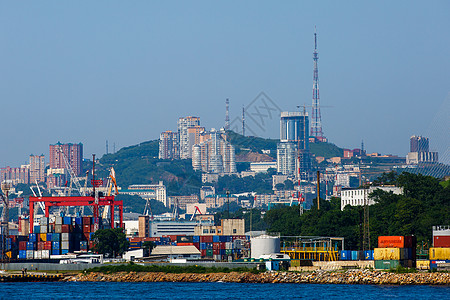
x,y
215,290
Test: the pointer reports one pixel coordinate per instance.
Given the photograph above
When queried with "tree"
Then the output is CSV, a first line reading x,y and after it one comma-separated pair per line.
x,y
110,242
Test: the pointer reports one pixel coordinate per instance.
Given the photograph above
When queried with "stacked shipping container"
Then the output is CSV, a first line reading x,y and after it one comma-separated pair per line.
x,y
394,251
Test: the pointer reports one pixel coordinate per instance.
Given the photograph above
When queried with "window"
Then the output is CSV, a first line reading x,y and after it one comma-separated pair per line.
x,y
212,230
234,230
205,231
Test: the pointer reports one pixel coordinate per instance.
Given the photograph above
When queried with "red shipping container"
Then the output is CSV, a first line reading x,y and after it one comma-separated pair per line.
x,y
197,245
185,244
86,235
92,228
48,245
65,228
40,245
203,252
86,220
22,245
86,228
206,239
391,242
441,241
91,245
216,252
216,246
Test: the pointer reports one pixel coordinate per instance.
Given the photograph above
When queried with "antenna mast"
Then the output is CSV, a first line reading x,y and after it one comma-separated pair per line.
x,y
316,123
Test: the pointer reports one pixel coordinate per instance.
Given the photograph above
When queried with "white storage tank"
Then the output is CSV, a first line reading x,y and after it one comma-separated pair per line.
x,y
263,245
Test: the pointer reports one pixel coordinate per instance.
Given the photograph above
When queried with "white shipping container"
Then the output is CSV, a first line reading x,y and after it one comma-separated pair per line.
x,y
65,236
43,221
30,254
65,245
58,228
58,220
38,254
45,254
229,245
44,229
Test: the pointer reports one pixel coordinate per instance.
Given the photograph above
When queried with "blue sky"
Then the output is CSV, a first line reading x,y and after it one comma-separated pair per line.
x,y
91,71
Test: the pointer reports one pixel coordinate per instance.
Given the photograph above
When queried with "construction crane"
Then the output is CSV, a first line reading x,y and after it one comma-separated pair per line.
x,y
195,211
6,186
111,182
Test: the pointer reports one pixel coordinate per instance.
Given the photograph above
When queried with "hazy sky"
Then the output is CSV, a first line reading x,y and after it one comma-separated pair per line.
x,y
123,71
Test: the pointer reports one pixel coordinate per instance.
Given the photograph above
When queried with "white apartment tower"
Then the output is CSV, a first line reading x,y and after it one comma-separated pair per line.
x,y
183,135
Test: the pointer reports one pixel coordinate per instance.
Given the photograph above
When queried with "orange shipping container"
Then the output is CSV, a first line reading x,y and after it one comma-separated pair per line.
x,y
391,242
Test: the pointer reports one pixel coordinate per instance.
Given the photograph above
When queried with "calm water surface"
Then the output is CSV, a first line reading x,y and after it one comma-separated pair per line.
x,y
173,290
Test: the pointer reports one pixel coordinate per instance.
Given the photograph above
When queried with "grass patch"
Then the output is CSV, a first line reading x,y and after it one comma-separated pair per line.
x,y
401,269
132,267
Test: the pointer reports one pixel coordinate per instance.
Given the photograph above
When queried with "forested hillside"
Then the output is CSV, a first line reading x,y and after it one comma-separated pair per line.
x,y
425,203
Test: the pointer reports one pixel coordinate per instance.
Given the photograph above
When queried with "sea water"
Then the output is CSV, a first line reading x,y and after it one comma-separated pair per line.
x,y
216,290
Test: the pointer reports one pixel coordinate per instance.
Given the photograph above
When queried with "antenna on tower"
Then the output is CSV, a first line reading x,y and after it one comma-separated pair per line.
x,y
227,116
106,146
243,121
316,120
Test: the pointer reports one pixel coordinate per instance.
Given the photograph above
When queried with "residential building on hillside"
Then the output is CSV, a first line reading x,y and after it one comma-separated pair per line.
x,y
293,156
73,153
183,135
214,154
227,227
15,175
360,196
168,145
215,201
206,191
37,168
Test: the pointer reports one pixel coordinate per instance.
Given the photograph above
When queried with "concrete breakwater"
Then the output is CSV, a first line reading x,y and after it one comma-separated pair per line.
x,y
319,277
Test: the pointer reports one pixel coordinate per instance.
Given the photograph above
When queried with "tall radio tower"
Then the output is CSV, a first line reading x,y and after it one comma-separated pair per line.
x,y
316,120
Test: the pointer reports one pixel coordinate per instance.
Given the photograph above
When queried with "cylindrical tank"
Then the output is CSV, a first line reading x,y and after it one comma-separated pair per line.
x,y
263,245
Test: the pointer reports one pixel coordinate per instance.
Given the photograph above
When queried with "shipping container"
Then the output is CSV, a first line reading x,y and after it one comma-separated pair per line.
x,y
40,245
388,264
442,241
56,245
58,221
58,228
23,245
206,239
38,254
439,253
67,221
56,251
216,238
30,254
203,252
66,245
31,246
396,241
368,255
389,253
65,237
56,237
78,221
440,264
64,251
86,228
48,245
37,229
197,245
45,254
43,221
43,229
32,237
209,252
185,239
22,254
346,254
355,255
87,221
196,239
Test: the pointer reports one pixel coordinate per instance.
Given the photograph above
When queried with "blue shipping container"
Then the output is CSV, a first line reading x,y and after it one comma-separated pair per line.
x,y
32,237
202,246
49,236
56,237
37,229
64,251
345,254
30,245
216,238
368,254
354,255
22,254
55,245
435,263
196,239
78,220
56,252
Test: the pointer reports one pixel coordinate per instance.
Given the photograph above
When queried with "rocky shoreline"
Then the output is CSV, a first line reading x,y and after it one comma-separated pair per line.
x,y
319,277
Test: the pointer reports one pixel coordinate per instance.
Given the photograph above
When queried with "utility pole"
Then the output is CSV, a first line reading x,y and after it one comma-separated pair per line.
x,y
228,201
227,116
318,190
243,121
